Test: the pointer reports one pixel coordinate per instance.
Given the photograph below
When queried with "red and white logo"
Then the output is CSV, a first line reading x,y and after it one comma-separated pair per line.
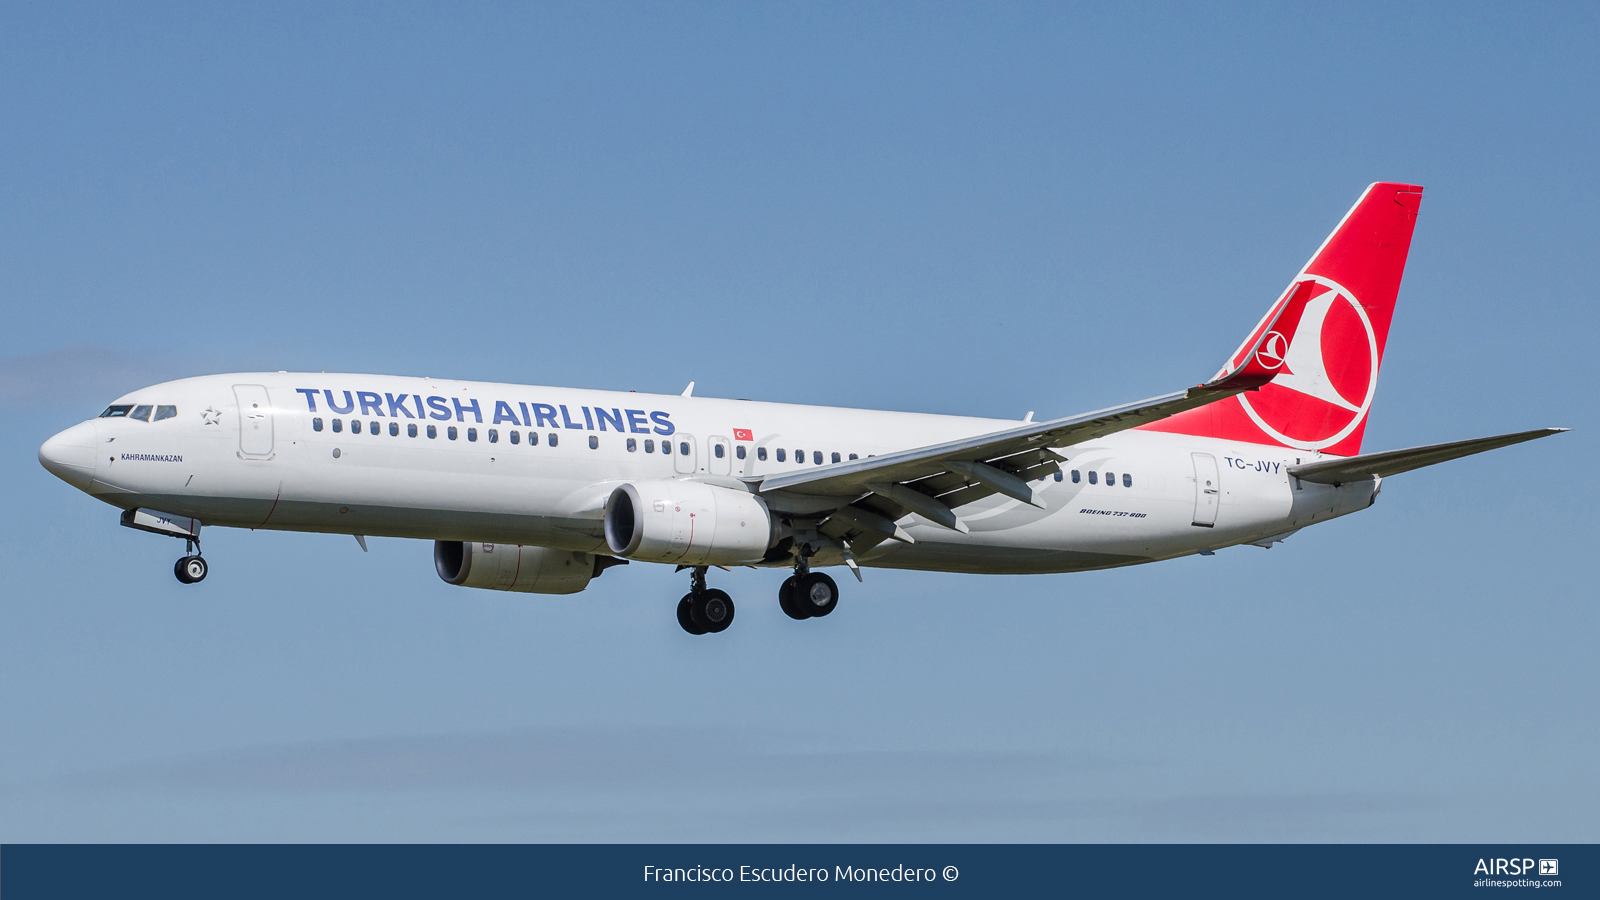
x,y
1272,349
1327,372
743,434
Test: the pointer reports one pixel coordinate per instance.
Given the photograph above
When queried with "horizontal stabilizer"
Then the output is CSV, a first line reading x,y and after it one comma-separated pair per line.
x,y
1393,462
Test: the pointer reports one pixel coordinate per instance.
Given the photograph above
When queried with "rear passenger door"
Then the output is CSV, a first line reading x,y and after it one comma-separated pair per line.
x,y
1207,489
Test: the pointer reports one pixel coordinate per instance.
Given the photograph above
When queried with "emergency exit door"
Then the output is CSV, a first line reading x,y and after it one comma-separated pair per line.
x,y
684,458
719,459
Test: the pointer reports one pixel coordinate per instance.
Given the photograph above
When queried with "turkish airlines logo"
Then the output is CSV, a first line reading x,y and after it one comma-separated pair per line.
x,y
1327,372
1270,356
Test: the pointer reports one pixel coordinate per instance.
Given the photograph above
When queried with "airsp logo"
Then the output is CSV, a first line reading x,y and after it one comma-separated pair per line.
x,y
1327,372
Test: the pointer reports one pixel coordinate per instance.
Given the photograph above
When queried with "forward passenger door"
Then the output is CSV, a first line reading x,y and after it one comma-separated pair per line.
x,y
255,421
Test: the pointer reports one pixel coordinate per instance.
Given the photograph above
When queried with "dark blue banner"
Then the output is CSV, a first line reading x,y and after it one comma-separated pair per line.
x,y
943,871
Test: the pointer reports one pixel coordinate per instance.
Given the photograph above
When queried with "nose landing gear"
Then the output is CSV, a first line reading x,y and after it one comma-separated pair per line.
x,y
704,610
192,567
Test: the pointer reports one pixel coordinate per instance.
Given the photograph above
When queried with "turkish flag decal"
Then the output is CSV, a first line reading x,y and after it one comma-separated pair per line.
x,y
743,434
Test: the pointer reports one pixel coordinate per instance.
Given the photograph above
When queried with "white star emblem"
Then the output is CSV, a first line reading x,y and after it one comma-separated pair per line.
x,y
212,416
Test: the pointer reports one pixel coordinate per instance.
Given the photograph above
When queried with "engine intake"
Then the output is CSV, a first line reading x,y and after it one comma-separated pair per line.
x,y
688,523
514,567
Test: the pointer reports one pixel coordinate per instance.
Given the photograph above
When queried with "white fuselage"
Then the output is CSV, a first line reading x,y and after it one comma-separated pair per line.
x,y
245,451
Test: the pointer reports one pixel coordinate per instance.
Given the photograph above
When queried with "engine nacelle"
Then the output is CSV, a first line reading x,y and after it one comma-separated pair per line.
x,y
687,522
512,567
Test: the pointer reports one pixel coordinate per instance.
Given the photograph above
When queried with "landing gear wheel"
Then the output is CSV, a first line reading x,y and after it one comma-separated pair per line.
x,y
686,617
712,610
816,594
786,599
191,569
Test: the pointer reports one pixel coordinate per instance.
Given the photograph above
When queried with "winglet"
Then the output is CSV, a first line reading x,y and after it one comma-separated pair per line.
x,y
1261,356
688,391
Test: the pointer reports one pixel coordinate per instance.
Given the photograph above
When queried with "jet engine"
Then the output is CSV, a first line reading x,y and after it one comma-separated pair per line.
x,y
687,522
513,567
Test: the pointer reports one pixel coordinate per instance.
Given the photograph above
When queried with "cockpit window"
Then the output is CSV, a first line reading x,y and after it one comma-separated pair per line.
x,y
113,412
142,413
165,412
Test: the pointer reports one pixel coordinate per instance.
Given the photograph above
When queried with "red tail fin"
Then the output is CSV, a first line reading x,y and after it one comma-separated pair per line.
x,y
1324,337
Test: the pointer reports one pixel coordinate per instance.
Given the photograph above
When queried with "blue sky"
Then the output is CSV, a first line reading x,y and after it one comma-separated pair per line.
x,y
972,209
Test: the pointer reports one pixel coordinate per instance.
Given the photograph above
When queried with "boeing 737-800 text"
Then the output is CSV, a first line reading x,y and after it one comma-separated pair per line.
x,y
540,489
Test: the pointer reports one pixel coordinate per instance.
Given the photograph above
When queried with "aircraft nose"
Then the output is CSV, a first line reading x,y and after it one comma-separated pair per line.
x,y
70,455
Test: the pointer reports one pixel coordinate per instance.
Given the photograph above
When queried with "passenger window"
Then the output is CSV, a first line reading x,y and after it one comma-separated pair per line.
x,y
853,456
780,454
761,453
594,442
166,412
816,457
633,445
533,439
649,445
799,456
1093,478
338,425
1127,480
355,426
739,451
1074,476
142,413
717,451
472,434
316,424
666,448
683,448
450,432
433,430
1111,479
554,439
836,456
394,429
1058,476
494,435
115,412
411,430
515,436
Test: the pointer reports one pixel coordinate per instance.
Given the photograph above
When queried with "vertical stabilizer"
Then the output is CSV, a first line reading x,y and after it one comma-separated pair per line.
x,y
1324,337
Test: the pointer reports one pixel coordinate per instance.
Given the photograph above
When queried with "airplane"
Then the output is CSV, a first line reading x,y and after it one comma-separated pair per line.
x,y
541,489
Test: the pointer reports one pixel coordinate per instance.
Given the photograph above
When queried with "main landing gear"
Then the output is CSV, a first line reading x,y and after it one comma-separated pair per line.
x,y
804,595
704,610
192,567
807,594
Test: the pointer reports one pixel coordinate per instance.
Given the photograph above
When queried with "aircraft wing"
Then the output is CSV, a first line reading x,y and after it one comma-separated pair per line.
x,y
1393,462
933,481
